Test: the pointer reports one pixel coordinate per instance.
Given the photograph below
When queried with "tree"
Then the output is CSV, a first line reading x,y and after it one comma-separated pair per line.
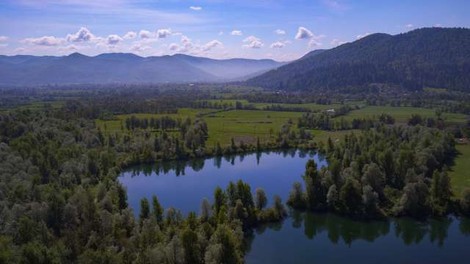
x,y
370,199
244,194
414,201
415,119
373,176
261,199
157,209
229,252
279,208
315,193
6,253
205,210
192,250
351,198
122,197
296,196
55,211
465,202
144,209
220,200
440,192
332,197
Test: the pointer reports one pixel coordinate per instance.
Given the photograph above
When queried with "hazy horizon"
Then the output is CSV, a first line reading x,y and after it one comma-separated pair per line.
x,y
218,29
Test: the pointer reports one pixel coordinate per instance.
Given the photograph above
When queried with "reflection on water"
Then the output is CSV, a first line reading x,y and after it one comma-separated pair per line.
x,y
178,167
183,184
309,237
303,237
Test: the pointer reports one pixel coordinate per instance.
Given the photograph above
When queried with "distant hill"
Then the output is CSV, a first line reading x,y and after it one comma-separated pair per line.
x,y
125,68
428,57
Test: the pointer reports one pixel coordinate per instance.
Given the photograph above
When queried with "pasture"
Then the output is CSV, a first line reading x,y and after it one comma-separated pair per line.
x,y
460,171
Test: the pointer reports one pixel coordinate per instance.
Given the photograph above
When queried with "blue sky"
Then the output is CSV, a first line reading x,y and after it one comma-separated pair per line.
x,y
282,30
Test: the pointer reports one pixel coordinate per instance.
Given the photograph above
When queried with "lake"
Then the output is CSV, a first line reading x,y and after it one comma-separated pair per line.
x,y
183,184
302,237
329,238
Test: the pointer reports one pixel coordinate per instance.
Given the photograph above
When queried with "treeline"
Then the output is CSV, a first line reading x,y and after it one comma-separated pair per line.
x,y
163,123
281,108
428,57
283,97
60,202
383,171
326,121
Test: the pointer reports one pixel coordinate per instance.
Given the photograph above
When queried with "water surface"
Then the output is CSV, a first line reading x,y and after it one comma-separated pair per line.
x,y
183,184
329,238
302,237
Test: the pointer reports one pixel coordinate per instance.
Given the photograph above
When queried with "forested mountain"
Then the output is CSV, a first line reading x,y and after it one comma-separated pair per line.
x,y
125,68
428,57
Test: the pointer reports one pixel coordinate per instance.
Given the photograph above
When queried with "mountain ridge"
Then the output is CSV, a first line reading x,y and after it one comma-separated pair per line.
x,y
125,68
427,57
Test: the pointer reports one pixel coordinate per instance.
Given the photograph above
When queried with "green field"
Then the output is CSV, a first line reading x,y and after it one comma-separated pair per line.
x,y
116,125
261,106
402,114
242,125
460,172
246,125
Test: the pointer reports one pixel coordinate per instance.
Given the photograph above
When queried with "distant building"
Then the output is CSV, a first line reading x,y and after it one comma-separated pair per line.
x,y
330,111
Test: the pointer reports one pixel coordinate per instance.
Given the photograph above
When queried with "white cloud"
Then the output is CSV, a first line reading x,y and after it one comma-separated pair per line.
x,y
174,47
437,25
253,42
113,39
303,33
130,35
362,35
409,26
82,35
19,50
236,33
314,43
337,42
3,38
145,34
43,41
163,33
221,33
71,47
280,32
195,8
211,44
187,43
139,47
277,45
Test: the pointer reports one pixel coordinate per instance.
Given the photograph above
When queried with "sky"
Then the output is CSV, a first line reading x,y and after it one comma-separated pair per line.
x,y
258,29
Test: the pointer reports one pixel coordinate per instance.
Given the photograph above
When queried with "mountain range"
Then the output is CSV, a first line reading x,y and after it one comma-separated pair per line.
x,y
427,57
126,68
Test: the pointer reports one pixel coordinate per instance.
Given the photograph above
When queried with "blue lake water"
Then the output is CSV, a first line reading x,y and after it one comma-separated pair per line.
x,y
183,184
302,237
328,238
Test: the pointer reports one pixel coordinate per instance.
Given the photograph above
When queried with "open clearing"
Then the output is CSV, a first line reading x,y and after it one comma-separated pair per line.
x,y
460,172
402,114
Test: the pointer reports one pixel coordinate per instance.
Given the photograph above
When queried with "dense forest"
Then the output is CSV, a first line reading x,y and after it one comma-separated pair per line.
x,y
382,171
428,57
60,200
